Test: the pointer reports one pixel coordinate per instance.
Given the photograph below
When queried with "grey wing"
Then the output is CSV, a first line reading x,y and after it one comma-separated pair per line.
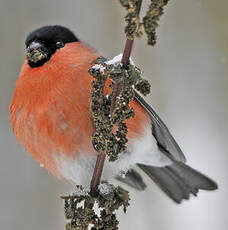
x,y
165,140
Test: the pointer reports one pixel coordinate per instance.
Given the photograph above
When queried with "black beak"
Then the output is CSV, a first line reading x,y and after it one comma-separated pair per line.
x,y
34,45
36,52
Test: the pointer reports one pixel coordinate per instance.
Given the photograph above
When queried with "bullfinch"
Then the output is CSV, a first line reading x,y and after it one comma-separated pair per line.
x,y
50,116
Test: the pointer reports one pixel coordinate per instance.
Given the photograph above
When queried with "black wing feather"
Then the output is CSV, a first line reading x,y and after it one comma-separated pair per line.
x,y
161,133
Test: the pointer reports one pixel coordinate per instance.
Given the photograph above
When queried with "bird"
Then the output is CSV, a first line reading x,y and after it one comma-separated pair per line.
x,y
50,116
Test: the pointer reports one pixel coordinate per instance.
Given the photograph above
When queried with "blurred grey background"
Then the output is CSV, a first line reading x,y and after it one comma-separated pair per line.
x,y
188,71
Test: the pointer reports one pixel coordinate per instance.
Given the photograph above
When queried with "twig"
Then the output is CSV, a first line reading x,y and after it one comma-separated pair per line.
x,y
97,174
129,42
116,91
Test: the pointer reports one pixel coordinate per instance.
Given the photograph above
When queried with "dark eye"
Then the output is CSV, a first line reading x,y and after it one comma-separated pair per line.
x,y
59,44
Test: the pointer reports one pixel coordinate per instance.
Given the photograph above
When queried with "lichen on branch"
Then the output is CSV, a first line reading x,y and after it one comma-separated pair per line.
x,y
133,27
149,22
79,208
110,136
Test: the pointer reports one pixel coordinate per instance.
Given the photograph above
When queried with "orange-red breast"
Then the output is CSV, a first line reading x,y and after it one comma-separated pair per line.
x,y
50,115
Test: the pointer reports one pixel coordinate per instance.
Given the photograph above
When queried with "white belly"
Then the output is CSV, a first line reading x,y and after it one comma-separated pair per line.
x,y
142,150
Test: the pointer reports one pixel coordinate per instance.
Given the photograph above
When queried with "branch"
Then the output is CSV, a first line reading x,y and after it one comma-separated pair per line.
x,y
116,92
129,42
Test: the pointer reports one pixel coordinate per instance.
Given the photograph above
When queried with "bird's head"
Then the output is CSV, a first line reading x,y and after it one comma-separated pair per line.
x,y
42,43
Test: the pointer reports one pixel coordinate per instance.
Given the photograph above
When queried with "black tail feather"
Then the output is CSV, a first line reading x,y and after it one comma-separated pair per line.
x,y
179,180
